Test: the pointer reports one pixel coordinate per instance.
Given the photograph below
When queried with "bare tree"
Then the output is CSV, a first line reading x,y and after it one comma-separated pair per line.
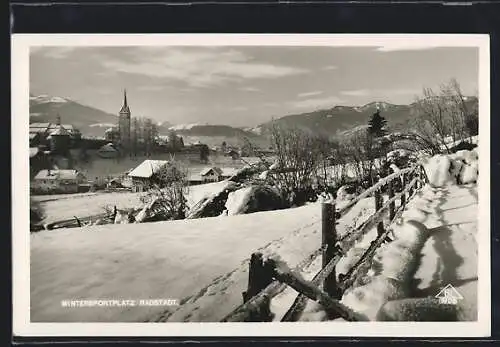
x,y
298,155
166,200
443,118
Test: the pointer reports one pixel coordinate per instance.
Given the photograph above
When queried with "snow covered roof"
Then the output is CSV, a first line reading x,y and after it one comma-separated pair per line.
x,y
57,174
207,170
112,129
39,125
59,131
108,147
148,168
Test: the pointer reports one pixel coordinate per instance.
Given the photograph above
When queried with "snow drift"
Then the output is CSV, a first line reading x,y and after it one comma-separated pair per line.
x,y
461,167
253,199
395,265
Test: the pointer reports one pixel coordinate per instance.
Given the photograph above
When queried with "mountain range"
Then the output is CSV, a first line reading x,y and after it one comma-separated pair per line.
x,y
93,122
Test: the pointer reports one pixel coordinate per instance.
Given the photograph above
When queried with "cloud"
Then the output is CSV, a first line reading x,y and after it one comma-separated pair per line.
x,y
356,92
312,103
404,47
329,67
381,92
239,108
250,89
52,52
198,67
151,88
306,94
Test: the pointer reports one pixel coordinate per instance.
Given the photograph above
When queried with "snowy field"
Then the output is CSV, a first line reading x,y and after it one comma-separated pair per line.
x,y
65,206
156,260
203,261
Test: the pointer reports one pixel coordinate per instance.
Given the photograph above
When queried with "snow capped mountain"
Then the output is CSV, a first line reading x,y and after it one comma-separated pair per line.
x,y
184,126
102,125
42,99
89,120
381,105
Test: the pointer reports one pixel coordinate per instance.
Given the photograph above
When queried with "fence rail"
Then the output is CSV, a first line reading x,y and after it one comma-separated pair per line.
x,y
268,278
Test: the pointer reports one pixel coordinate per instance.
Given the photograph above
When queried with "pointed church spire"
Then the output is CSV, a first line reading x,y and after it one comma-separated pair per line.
x,y
125,109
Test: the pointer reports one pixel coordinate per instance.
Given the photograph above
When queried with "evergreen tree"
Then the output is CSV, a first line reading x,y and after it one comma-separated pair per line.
x,y
377,124
204,153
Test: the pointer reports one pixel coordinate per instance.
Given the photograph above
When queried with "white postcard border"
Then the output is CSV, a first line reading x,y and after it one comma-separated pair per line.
x,y
21,44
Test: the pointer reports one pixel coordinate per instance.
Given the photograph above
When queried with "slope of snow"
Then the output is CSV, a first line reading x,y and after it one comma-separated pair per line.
x,y
203,261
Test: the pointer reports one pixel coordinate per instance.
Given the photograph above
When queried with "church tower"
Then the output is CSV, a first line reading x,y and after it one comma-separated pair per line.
x,y
124,123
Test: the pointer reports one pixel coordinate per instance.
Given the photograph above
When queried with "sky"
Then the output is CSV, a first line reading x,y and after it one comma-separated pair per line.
x,y
244,85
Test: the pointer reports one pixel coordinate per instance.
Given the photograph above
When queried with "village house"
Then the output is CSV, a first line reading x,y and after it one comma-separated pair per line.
x,y
211,174
108,151
57,181
39,132
147,174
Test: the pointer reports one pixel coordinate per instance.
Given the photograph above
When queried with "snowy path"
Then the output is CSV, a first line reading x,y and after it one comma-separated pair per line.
x,y
449,255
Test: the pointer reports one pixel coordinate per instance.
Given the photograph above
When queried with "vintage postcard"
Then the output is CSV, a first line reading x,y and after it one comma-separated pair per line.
x,y
251,185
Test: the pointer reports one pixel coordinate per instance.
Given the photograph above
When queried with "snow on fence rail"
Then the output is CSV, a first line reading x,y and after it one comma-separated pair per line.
x,y
269,277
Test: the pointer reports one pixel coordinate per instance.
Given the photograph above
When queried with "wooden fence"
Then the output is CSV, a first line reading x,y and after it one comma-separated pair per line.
x,y
268,278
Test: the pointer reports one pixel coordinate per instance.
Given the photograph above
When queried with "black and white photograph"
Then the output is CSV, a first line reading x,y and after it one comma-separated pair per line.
x,y
293,184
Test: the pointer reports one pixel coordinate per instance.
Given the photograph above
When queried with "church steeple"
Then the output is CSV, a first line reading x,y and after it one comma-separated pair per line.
x,y
58,119
125,109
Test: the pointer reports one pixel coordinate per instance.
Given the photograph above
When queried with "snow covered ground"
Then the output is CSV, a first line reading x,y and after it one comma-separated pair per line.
x,y
204,262
448,256
160,260
65,206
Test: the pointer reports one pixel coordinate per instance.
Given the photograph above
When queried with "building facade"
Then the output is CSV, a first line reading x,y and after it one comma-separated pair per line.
x,y
56,181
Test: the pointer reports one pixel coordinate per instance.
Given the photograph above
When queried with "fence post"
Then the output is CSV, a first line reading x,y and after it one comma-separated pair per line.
x,y
378,206
258,277
403,194
329,239
392,206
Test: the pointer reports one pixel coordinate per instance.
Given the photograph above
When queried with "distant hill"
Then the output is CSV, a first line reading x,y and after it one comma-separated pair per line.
x,y
93,122
214,135
341,118
89,120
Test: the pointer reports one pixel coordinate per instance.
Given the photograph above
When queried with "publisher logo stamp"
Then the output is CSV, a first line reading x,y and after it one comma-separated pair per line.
x,y
449,295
